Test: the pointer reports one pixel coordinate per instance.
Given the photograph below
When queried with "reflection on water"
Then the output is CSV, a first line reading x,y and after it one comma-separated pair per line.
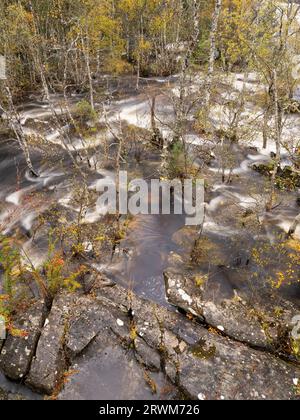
x,y
144,254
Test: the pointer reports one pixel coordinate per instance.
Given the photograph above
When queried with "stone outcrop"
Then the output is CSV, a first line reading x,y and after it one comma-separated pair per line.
x,y
49,362
17,352
238,317
112,344
201,364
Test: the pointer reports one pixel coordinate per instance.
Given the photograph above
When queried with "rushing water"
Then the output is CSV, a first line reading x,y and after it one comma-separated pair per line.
x,y
142,257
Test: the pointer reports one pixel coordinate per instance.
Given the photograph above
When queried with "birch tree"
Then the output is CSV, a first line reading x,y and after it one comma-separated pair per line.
x,y
212,53
14,120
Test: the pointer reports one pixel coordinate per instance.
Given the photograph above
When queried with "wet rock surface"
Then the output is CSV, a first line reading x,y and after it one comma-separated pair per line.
x,y
8,396
111,344
199,363
49,361
17,352
253,322
109,371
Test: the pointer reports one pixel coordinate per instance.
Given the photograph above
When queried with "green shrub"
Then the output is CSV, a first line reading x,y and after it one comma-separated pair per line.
x,y
10,261
85,113
178,164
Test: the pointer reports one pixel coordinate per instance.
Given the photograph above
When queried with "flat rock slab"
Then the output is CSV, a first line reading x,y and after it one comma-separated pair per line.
x,y
254,323
112,344
107,371
49,361
199,363
107,361
17,352
192,355
91,319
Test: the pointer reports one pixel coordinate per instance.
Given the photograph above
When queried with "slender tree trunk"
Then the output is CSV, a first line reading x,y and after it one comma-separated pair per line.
x,y
69,113
153,122
88,66
211,66
157,138
89,74
118,169
15,123
87,59
278,130
138,73
266,128
223,160
40,67
58,125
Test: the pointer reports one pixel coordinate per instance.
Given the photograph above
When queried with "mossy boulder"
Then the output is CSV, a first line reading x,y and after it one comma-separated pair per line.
x,y
287,178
